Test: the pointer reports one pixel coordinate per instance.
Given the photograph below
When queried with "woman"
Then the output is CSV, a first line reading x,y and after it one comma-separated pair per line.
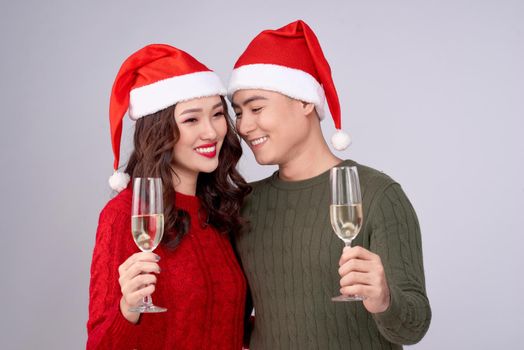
x,y
184,136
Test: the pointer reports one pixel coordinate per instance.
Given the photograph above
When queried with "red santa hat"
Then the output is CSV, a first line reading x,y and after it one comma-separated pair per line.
x,y
290,61
151,79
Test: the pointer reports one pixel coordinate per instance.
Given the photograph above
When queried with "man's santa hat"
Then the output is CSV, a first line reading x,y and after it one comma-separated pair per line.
x,y
290,61
151,79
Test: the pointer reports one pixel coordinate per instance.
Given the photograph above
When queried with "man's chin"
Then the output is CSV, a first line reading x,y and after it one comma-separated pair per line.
x,y
265,161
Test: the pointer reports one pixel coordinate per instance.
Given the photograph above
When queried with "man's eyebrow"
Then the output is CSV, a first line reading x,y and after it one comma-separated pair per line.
x,y
249,100
217,105
196,110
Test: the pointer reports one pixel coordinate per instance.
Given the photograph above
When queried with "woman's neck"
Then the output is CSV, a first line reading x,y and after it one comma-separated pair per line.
x,y
185,182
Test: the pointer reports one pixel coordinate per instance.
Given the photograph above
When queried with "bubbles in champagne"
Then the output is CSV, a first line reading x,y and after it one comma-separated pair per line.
x,y
346,220
147,230
143,240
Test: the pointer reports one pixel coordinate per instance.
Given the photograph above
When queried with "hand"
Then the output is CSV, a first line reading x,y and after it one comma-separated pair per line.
x,y
136,282
362,273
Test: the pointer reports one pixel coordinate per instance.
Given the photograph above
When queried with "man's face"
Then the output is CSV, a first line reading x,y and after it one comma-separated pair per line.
x,y
273,125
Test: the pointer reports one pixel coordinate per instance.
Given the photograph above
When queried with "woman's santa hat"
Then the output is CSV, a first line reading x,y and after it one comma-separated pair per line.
x,y
290,61
151,79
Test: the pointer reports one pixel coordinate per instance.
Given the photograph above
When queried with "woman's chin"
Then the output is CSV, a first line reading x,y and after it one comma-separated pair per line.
x,y
209,166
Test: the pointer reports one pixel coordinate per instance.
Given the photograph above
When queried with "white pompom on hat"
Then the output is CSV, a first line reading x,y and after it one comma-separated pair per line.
x,y
151,79
118,181
290,61
340,140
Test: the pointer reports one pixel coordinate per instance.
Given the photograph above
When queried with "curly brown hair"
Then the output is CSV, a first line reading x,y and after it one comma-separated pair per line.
x,y
221,192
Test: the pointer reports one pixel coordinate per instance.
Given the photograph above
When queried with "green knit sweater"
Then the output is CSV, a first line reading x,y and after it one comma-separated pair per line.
x,y
290,256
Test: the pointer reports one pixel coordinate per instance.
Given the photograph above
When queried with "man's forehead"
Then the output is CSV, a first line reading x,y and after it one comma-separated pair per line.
x,y
244,97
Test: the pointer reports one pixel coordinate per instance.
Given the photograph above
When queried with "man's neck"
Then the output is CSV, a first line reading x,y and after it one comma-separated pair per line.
x,y
312,160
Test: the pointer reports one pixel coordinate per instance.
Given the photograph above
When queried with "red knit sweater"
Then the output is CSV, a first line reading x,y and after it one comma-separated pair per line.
x,y
201,284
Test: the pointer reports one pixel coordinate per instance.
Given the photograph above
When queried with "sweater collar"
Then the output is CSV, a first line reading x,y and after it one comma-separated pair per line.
x,y
187,202
182,201
297,185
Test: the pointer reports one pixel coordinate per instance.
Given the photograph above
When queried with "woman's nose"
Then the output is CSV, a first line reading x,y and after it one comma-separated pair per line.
x,y
209,131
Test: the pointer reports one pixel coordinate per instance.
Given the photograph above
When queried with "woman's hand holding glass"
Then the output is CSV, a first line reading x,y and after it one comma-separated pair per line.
x,y
137,279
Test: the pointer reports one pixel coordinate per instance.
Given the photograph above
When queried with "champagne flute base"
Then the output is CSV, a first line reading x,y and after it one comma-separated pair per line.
x,y
144,309
347,298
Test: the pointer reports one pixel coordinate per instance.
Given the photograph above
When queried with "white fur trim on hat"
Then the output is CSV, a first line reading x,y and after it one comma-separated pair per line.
x,y
118,181
154,97
294,83
340,140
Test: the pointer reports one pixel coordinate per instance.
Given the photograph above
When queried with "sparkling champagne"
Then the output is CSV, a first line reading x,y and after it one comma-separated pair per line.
x,y
346,220
147,231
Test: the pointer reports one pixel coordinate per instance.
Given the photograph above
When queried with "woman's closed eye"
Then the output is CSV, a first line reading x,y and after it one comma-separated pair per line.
x,y
190,120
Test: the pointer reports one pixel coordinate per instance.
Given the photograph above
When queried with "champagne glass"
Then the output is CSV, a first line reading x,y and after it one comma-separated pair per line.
x,y
345,210
147,224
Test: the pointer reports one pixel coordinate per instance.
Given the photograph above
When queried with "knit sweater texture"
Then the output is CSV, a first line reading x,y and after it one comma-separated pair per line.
x,y
201,284
290,257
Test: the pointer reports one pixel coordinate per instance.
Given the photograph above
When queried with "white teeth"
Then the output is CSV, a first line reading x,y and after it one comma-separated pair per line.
x,y
259,140
205,149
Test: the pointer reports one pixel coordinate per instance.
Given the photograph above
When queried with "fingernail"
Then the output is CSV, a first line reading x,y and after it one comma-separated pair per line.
x,y
157,257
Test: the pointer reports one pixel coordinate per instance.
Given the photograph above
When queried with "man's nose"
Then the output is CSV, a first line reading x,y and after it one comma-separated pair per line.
x,y
246,125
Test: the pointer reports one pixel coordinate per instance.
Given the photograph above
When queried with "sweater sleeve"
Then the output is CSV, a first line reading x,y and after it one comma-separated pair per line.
x,y
249,320
107,328
396,239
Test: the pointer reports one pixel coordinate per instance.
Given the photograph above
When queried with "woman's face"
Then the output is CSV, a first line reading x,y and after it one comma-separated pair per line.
x,y
203,126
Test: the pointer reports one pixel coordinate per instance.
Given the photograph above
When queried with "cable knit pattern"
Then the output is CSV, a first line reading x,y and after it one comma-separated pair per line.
x,y
201,285
290,257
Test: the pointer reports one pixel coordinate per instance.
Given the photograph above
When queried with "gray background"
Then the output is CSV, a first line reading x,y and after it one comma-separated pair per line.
x,y
431,91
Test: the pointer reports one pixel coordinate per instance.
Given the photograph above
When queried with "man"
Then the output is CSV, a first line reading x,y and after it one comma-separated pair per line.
x,y
291,257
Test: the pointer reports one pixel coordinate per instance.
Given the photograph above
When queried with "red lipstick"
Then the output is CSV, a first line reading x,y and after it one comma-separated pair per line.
x,y
205,153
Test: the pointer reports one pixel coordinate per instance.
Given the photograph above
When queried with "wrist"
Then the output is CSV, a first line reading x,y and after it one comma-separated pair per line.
x,y
132,317
386,302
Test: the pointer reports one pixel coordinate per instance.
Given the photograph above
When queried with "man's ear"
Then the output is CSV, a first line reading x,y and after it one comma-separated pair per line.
x,y
308,108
